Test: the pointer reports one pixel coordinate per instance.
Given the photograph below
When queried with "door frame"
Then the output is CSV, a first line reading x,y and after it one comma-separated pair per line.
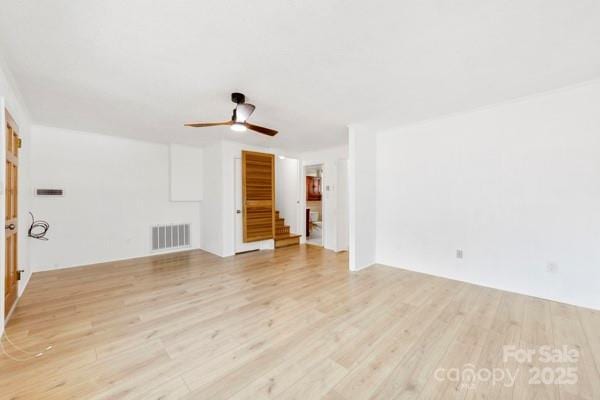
x,y
324,200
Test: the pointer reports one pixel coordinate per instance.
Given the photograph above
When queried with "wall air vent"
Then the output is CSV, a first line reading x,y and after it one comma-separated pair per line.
x,y
170,236
49,192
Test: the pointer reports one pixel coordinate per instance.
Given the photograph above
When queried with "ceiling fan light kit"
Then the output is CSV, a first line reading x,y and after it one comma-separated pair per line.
x,y
238,123
238,127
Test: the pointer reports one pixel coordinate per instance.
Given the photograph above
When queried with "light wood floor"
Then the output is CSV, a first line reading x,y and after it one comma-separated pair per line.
x,y
292,323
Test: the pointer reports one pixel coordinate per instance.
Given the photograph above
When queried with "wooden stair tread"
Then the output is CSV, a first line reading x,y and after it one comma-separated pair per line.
x,y
284,241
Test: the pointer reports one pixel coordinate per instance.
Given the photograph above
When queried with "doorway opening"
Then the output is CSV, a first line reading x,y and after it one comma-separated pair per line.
x,y
314,204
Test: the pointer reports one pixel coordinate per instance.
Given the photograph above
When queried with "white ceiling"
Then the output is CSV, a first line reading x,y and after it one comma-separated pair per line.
x,y
142,68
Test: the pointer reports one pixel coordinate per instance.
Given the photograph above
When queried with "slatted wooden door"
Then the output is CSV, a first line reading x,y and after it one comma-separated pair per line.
x,y
258,191
10,223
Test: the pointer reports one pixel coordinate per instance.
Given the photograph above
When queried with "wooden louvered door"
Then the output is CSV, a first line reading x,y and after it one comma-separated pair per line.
x,y
258,192
10,223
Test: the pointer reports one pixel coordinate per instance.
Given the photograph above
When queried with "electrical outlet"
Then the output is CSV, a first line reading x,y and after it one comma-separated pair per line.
x,y
459,253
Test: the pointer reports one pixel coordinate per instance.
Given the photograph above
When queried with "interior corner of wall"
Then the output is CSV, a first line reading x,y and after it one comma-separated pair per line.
x,y
355,268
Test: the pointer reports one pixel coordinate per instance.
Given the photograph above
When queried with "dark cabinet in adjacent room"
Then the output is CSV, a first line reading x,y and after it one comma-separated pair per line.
x,y
313,188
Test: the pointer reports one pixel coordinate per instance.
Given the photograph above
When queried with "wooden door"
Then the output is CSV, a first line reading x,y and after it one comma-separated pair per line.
x,y
258,191
240,245
10,223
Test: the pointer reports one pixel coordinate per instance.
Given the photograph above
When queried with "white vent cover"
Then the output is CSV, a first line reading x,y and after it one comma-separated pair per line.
x,y
170,236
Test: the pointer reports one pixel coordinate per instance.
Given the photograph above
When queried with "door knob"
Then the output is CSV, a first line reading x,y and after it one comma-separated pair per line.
x,y
11,227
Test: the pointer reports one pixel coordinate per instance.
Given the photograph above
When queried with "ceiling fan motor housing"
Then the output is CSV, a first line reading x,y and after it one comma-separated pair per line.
x,y
238,98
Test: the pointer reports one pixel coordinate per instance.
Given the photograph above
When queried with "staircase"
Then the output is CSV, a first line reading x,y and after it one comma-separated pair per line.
x,y
283,237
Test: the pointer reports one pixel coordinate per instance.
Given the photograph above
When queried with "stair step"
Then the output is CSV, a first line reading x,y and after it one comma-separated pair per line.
x,y
286,240
286,235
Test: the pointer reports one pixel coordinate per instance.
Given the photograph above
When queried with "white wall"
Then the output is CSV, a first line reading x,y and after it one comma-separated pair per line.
x,y
212,200
342,209
515,186
329,158
362,198
287,197
115,190
185,171
11,99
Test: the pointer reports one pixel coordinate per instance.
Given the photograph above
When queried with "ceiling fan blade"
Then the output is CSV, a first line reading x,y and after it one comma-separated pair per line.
x,y
243,112
260,129
202,125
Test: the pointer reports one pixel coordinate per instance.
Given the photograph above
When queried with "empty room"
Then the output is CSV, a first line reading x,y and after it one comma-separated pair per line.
x,y
300,200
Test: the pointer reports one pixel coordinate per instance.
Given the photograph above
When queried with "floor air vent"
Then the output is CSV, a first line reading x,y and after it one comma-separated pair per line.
x,y
170,236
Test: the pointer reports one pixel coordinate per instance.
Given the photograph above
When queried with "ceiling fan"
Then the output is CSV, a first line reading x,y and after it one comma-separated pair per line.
x,y
238,123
